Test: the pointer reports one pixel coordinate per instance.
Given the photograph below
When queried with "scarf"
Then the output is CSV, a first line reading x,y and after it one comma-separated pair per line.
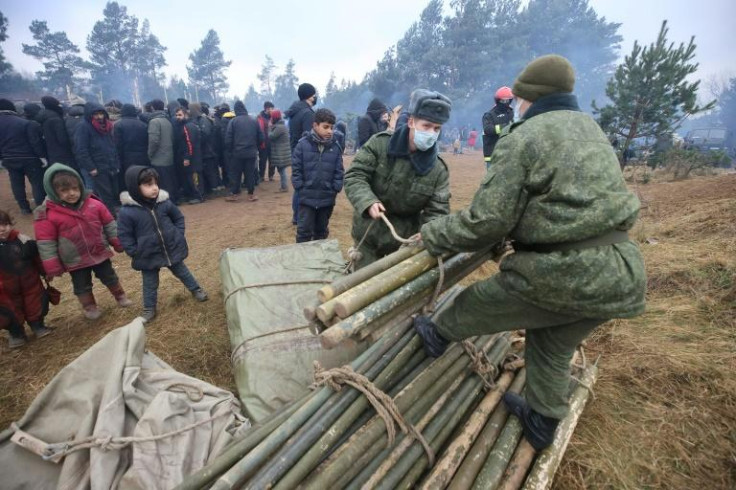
x,y
102,127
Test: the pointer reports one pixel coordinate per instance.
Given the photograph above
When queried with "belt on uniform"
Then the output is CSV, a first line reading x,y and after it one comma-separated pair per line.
x,y
610,238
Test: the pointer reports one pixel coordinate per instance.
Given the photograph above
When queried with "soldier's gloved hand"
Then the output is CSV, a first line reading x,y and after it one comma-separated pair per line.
x,y
434,343
376,210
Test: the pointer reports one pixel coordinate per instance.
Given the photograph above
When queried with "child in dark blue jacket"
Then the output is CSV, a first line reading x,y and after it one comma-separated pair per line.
x,y
317,175
151,230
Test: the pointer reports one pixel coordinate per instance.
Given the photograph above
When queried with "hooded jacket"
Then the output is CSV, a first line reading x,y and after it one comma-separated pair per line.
x,y
280,148
368,124
317,171
160,140
73,237
151,232
301,117
554,178
95,151
243,136
18,139
58,144
494,121
131,138
206,131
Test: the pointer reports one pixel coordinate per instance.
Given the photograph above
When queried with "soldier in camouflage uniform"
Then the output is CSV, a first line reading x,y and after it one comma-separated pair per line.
x,y
401,175
555,188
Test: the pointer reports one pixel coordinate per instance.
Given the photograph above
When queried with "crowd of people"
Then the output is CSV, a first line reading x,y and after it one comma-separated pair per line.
x,y
553,187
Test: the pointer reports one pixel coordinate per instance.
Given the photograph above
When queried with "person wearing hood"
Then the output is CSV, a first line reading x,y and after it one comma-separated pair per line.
x,y
400,175
74,118
223,115
131,139
22,153
58,144
161,148
555,189
500,116
188,152
370,122
74,231
242,139
264,149
280,149
210,173
97,155
317,174
341,134
151,230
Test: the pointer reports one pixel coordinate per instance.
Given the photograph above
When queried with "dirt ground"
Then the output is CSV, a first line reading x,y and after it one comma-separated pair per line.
x,y
664,410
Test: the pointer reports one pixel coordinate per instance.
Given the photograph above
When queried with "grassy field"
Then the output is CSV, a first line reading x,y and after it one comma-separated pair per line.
x,y
664,411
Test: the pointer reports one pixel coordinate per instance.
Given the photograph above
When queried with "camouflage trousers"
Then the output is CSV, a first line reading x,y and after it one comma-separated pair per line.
x,y
551,338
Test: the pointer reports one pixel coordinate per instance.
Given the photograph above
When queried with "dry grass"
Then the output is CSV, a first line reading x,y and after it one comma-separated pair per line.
x,y
665,406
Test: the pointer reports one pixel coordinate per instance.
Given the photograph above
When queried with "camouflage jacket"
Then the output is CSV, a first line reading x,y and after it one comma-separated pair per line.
x,y
554,178
410,199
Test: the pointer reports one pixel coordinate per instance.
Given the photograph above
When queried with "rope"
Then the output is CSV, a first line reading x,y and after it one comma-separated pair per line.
x,y
480,364
354,253
403,241
584,385
280,283
111,443
430,307
382,403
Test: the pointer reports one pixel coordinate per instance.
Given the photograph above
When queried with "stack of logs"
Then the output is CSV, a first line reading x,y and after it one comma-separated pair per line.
x,y
453,432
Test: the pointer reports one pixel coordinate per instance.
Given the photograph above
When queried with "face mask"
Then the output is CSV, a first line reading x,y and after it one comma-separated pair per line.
x,y
424,140
517,110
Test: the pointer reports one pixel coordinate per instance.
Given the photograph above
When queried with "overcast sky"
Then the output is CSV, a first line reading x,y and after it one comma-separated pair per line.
x,y
325,36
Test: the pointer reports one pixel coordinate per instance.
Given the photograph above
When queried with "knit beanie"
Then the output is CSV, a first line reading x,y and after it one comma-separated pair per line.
x,y
305,91
6,105
549,74
429,105
183,102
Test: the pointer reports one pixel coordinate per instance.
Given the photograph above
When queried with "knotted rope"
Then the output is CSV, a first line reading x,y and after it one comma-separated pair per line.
x,y
354,253
480,364
382,403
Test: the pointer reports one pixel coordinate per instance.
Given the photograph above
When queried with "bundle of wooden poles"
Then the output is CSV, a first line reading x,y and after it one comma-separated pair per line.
x,y
386,293
452,429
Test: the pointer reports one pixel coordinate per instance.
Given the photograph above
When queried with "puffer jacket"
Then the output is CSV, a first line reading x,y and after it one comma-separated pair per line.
x,y
317,171
95,151
280,149
152,233
73,237
131,138
21,289
17,139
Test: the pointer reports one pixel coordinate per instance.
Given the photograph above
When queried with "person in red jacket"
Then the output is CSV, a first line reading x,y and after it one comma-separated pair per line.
x,y
22,295
74,230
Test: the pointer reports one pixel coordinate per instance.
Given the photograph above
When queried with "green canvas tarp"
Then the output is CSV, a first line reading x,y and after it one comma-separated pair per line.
x,y
273,347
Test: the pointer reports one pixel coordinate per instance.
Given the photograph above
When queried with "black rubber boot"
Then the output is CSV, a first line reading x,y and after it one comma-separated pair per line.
x,y
434,343
538,429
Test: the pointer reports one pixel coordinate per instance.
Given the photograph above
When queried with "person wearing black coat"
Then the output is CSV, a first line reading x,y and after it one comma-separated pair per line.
x,y
317,174
301,117
151,230
188,156
58,144
131,139
21,152
370,122
210,174
242,139
97,155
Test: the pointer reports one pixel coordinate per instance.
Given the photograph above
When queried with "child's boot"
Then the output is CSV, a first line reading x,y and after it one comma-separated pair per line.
x,y
17,337
148,314
120,296
91,311
200,295
39,329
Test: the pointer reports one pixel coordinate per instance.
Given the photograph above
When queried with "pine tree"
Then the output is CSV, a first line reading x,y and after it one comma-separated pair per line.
x,y
113,46
727,106
252,100
149,63
62,65
5,67
207,70
267,77
286,86
650,94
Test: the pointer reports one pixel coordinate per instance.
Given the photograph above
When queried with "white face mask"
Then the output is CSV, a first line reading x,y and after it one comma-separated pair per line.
x,y
424,140
517,109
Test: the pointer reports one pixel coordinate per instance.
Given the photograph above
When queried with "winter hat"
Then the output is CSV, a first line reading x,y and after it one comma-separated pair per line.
x,y
51,103
31,110
376,108
305,91
195,109
6,105
275,115
128,110
549,74
239,107
430,105
183,102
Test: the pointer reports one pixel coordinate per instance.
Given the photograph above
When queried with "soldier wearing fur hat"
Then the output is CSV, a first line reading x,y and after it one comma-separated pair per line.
x,y
401,175
555,188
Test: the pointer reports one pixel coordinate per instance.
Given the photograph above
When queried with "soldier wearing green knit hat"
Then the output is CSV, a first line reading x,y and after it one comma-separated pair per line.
x,y
555,189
